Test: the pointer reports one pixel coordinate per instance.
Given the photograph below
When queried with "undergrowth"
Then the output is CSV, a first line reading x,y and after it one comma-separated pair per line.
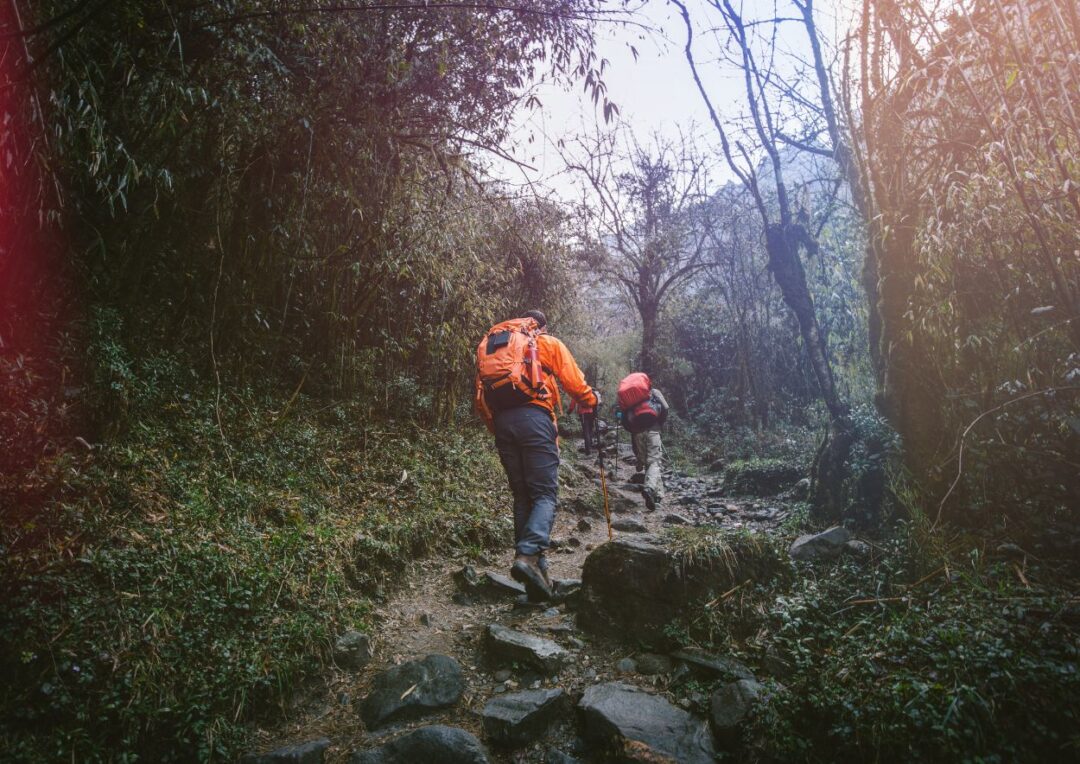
x,y
172,585
973,657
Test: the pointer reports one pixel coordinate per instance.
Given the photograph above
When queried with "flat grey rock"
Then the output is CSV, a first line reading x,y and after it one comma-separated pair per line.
x,y
435,744
820,546
643,727
712,666
310,752
412,690
501,583
519,718
629,525
518,647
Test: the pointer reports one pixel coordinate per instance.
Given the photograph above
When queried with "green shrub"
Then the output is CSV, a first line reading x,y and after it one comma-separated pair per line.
x,y
178,583
882,660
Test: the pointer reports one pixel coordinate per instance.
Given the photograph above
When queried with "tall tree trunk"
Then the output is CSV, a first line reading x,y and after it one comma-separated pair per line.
x,y
828,493
650,314
787,269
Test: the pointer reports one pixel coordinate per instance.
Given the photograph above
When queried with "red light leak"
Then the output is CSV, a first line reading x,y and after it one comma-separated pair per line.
x,y
32,374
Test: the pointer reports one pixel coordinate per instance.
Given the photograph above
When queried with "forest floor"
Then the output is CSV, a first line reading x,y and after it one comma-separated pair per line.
x,y
426,614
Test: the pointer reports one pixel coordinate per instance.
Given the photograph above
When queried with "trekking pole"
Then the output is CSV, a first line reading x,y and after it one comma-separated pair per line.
x,y
618,422
603,474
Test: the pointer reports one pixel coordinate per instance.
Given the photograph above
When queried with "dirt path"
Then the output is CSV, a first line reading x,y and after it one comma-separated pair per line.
x,y
427,614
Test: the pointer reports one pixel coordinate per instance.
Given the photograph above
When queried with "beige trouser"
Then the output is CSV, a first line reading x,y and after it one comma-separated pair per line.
x,y
649,452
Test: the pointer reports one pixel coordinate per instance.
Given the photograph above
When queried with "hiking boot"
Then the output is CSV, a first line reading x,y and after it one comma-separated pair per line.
x,y
535,595
650,499
526,571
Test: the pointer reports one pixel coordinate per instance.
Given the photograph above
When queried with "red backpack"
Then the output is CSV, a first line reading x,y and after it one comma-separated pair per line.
x,y
508,365
641,410
633,390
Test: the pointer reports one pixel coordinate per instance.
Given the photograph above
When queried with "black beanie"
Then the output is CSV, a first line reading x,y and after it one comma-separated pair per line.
x,y
541,319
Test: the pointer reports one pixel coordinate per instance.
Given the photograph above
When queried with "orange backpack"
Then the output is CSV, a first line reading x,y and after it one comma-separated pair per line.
x,y
508,364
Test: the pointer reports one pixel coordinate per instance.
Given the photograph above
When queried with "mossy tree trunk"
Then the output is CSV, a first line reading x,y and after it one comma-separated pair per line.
x,y
787,232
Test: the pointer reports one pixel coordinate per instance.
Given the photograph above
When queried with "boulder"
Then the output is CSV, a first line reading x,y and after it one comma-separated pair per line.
x,y
633,587
731,705
522,717
820,546
437,743
517,647
629,525
412,690
638,727
710,666
630,588
352,650
310,752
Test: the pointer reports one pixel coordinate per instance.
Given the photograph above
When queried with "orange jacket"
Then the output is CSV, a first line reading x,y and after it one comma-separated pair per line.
x,y
555,360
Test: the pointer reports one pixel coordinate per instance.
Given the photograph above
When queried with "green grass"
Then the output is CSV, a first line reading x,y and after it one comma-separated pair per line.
x,y
737,550
165,590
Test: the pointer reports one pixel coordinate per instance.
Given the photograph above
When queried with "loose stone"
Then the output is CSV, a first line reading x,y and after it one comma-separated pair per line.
x,y
412,690
520,718
437,743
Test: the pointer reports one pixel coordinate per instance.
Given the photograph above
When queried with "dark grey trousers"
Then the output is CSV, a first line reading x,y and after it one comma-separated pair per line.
x,y
526,439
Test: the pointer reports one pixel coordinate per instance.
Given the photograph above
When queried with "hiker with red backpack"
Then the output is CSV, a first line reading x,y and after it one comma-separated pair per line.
x,y
644,411
517,366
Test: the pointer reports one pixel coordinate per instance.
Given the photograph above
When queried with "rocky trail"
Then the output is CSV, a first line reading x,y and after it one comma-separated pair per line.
x,y
462,668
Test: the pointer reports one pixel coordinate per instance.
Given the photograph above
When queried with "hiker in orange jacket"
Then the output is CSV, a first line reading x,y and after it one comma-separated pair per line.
x,y
527,440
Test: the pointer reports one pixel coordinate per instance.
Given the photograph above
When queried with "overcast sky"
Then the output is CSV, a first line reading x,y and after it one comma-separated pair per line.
x,y
656,93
